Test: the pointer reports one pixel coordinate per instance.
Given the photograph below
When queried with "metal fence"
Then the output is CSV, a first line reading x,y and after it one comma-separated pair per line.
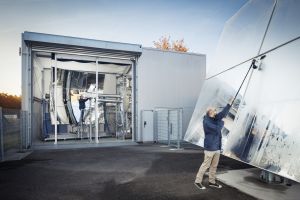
x,y
10,121
168,126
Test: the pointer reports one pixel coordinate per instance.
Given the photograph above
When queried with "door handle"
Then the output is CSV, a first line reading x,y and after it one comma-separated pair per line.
x,y
145,123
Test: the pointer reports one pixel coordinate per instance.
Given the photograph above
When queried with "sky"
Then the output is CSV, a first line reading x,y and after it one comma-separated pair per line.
x,y
198,22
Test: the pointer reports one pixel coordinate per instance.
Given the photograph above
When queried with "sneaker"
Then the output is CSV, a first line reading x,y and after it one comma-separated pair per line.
x,y
215,185
200,186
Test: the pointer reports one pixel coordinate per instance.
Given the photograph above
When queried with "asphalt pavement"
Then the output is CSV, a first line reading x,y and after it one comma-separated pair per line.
x,y
140,172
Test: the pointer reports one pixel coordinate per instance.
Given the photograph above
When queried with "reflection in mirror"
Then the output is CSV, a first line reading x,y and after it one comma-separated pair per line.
x,y
266,133
284,25
262,128
216,93
242,35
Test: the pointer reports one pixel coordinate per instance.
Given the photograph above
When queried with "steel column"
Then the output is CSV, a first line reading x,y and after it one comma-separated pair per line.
x,y
96,104
55,100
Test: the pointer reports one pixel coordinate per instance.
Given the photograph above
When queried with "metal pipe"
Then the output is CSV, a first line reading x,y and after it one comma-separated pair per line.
x,y
30,116
110,95
251,66
25,102
43,104
169,128
134,106
109,101
80,54
90,131
123,108
55,100
96,104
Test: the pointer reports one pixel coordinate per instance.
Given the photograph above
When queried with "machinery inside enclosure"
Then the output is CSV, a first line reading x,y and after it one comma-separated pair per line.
x,y
84,96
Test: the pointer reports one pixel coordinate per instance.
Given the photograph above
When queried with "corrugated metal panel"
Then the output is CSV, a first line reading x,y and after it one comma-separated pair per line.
x,y
80,46
81,42
81,51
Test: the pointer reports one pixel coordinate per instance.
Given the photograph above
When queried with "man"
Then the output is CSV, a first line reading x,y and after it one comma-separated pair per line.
x,y
82,107
212,125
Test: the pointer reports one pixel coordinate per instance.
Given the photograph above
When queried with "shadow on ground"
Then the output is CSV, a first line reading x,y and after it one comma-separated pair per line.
x,y
127,172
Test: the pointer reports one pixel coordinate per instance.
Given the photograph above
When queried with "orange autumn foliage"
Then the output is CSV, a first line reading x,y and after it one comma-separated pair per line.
x,y
164,44
179,45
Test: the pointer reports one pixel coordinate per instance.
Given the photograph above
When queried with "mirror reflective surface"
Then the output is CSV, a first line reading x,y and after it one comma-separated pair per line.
x,y
242,35
284,25
262,128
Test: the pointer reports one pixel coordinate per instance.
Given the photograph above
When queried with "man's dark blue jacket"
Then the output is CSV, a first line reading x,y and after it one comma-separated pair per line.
x,y
212,129
82,103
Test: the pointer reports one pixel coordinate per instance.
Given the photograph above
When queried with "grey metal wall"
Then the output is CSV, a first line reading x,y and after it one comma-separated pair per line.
x,y
169,79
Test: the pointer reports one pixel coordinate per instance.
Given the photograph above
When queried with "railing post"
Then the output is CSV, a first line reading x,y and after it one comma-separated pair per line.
x,y
1,136
169,129
155,137
21,131
178,129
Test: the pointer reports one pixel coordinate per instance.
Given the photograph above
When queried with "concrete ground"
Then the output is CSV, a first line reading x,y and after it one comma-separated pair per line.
x,y
126,172
247,180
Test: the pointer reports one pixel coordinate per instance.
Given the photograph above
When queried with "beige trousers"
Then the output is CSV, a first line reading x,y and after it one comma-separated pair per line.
x,y
211,161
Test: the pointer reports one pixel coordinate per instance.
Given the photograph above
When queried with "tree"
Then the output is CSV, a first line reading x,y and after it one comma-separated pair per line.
x,y
179,45
10,101
164,44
